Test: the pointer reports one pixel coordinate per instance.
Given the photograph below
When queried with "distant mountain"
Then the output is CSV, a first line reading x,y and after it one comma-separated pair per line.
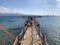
x,y
10,14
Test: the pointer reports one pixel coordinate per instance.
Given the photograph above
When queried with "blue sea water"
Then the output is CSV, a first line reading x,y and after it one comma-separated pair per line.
x,y
49,25
13,24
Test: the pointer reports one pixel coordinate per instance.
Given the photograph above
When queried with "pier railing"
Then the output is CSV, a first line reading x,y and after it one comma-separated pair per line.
x,y
35,26
19,38
41,35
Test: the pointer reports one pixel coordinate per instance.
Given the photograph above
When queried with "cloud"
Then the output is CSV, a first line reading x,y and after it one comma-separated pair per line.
x,y
7,10
42,2
58,2
4,10
20,11
44,11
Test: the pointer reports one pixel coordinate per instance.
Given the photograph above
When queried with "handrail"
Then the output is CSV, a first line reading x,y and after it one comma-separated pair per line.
x,y
33,25
43,35
19,37
5,30
44,40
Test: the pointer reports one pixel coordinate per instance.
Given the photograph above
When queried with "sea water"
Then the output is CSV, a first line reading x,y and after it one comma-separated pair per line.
x,y
14,25
49,25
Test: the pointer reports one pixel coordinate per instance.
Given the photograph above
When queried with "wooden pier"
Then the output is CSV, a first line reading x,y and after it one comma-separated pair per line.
x,y
30,36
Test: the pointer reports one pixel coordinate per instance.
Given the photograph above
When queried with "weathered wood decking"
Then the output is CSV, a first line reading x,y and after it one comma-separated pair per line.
x,y
31,36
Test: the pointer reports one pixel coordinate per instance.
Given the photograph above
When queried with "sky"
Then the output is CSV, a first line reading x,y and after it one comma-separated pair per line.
x,y
31,7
